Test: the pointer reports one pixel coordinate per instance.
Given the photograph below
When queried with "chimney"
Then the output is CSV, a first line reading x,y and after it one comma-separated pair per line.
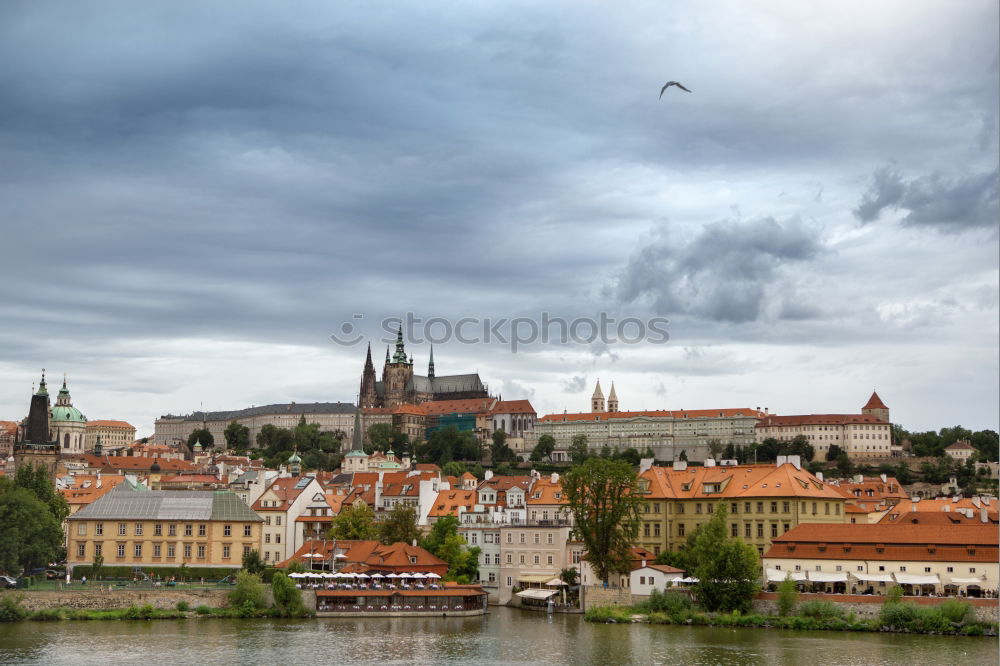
x,y
645,464
819,475
982,515
554,478
680,465
710,462
644,563
488,475
884,478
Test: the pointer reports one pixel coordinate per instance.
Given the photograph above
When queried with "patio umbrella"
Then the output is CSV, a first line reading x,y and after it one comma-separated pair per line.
x,y
392,575
328,575
363,575
433,575
296,575
377,575
314,574
347,575
416,575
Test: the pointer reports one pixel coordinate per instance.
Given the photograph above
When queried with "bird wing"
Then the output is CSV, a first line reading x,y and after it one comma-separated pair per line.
x,y
663,89
681,87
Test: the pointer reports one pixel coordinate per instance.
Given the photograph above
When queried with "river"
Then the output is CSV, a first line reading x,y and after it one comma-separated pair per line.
x,y
505,636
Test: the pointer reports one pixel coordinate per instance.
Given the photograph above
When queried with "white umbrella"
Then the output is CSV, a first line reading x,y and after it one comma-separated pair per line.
x,y
313,555
363,575
328,575
433,575
347,575
377,575
296,575
392,575
314,574
416,575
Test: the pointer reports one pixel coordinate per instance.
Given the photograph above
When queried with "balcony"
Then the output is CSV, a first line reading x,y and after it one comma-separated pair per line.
x,y
541,522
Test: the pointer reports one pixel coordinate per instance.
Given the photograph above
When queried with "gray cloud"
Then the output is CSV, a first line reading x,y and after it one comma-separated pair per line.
x,y
724,273
574,384
947,204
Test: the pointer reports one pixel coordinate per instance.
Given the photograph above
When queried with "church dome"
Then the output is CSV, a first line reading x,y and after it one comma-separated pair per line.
x,y
155,467
294,459
68,413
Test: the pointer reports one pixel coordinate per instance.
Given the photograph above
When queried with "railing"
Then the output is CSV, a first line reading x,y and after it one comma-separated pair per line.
x,y
541,522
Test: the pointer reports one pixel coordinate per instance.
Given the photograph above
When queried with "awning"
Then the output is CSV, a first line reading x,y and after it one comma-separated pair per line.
x,y
827,577
967,581
541,579
556,581
873,578
777,575
536,594
915,579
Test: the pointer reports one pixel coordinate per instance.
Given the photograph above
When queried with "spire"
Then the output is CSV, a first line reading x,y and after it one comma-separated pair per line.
x,y
598,393
430,365
356,437
41,386
612,399
387,354
64,382
597,400
612,395
400,355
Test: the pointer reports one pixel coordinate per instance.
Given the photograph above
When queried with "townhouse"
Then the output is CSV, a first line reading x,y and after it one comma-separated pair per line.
x,y
279,506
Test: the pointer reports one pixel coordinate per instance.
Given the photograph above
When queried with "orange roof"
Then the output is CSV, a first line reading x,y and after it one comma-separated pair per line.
x,y
85,490
817,419
663,413
972,543
8,427
543,491
960,445
907,506
419,410
938,518
106,423
427,467
137,463
191,478
467,406
284,491
872,488
513,407
874,402
737,481
449,501
372,555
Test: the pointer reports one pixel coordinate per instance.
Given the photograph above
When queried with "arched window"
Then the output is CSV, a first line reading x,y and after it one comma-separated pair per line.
x,y
66,441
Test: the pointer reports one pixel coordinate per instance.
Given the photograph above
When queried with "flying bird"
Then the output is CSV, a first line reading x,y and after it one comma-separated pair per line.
x,y
671,83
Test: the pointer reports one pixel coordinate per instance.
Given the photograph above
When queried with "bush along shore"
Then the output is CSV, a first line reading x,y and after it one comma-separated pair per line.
x,y
246,600
953,617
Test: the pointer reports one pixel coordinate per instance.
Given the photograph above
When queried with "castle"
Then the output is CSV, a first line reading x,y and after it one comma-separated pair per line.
x,y
400,386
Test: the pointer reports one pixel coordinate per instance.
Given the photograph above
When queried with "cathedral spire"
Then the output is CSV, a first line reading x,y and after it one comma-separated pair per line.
x,y
400,355
597,400
430,365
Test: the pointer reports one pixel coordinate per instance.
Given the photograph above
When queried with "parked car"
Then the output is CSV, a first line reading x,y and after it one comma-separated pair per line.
x,y
8,582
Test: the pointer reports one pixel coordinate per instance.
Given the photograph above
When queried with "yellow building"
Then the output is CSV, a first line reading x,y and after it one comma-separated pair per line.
x,y
163,528
763,501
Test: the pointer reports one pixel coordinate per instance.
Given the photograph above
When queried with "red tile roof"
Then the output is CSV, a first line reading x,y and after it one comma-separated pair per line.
x,y
817,419
738,481
677,414
467,406
449,501
108,423
875,402
284,491
137,463
513,407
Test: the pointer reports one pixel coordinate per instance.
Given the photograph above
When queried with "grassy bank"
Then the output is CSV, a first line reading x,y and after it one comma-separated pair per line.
x,y
952,617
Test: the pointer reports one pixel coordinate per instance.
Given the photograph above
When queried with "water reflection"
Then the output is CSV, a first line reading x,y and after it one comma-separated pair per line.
x,y
505,636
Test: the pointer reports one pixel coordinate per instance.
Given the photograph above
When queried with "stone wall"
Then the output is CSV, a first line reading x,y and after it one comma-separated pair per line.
x,y
111,599
598,595
866,606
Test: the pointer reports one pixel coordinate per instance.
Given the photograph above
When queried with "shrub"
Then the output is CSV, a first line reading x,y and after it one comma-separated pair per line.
x,y
821,610
959,612
248,590
788,596
11,609
47,615
203,610
608,614
183,606
670,602
287,597
894,595
897,615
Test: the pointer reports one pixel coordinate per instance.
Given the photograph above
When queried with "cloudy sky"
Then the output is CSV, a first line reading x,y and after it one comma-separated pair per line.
x,y
195,196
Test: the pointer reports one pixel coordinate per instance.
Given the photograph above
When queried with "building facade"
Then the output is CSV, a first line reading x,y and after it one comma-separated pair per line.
x,y
163,528
337,417
114,435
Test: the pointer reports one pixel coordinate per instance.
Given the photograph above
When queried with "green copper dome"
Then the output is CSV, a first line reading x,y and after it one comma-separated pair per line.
x,y
67,413
294,459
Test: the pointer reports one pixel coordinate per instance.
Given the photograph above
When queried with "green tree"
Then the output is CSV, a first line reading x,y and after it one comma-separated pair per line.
x,y
237,436
30,536
604,498
356,522
202,435
788,595
499,451
252,562
36,480
454,468
248,592
727,569
399,525
287,597
578,450
97,567
629,455
833,453
800,446
715,447
444,541
272,439
569,575
544,448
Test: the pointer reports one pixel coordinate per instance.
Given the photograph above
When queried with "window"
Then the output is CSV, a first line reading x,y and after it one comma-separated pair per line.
x,y
656,530
826,507
201,550
158,529
81,529
201,530
267,538
81,550
121,529
510,558
785,527
645,529
99,529
157,550
187,550
548,538
138,550
521,558
121,550
277,538
537,538
927,569
774,507
246,550
951,569
172,529
98,549
746,507
680,508
188,530
798,567
680,529
549,560
225,552
277,520
760,530
785,507
733,530
267,520
247,530
510,537
171,550
138,529
227,530
814,508
508,581
267,556
902,568
733,507
536,560
972,569
697,507
746,530
760,507
522,537
881,567
710,508
774,530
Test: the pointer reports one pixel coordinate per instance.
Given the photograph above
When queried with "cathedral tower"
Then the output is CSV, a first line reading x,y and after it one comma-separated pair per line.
x,y
612,399
368,395
597,400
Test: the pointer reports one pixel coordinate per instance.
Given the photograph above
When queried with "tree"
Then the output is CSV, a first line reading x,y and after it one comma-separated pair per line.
x,y
629,455
202,435
715,448
801,447
399,525
788,595
355,523
444,541
578,450
36,480
604,498
833,453
273,439
726,569
453,468
30,535
97,566
237,436
248,594
544,448
499,451
380,437
569,575
287,597
252,562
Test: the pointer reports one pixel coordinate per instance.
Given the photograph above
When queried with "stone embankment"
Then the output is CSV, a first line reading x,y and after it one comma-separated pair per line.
x,y
112,599
868,606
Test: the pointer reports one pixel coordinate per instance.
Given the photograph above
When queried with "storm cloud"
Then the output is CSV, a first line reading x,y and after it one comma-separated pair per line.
x,y
727,272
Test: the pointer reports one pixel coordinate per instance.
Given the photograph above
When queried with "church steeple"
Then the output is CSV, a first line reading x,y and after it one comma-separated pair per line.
x,y
597,400
367,396
430,365
612,399
400,355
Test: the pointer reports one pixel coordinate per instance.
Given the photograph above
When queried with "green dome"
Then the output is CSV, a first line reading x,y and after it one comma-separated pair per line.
x,y
294,459
68,413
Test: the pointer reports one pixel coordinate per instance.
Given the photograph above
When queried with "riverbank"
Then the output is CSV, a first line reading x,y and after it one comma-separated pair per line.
x,y
951,617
